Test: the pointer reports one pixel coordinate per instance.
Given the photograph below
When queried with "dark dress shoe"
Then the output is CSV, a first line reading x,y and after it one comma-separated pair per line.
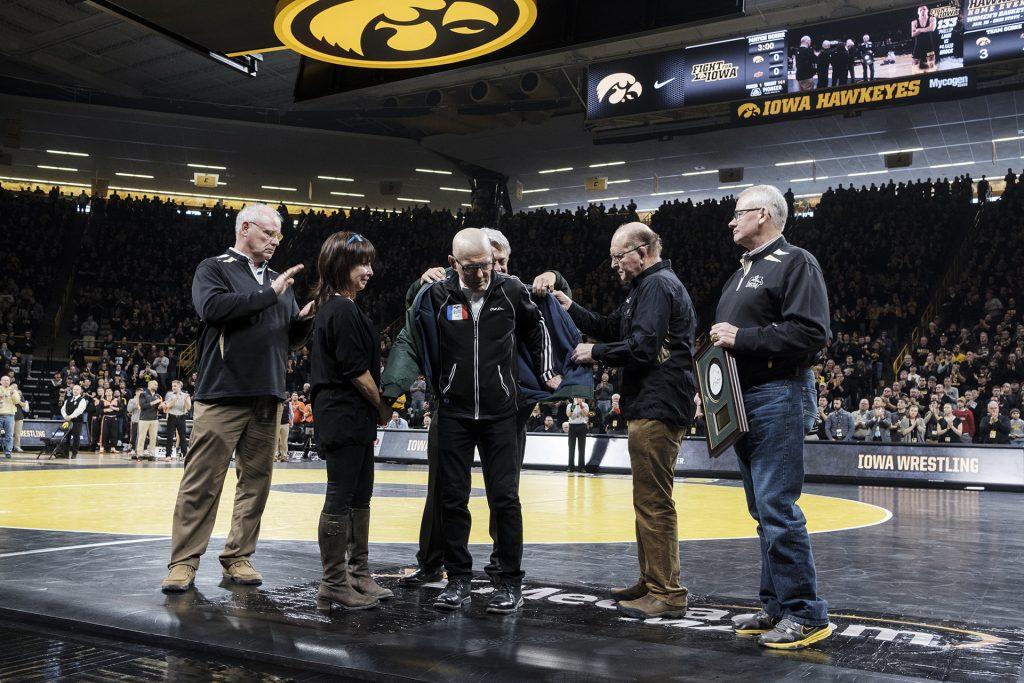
x,y
454,596
420,577
507,599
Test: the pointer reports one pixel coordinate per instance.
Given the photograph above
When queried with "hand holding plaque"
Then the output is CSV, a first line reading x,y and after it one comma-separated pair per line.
x,y
720,393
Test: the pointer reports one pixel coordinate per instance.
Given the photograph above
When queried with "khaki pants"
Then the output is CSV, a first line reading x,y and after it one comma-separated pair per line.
x,y
247,428
653,447
146,428
17,434
281,451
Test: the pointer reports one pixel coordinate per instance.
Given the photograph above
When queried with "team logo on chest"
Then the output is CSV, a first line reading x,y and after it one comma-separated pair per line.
x,y
457,312
755,282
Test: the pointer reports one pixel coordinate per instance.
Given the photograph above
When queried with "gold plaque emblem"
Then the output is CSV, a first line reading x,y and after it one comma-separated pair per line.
x,y
401,34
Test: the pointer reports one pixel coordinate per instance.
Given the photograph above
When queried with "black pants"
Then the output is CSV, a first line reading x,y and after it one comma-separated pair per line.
x,y
497,443
349,478
76,438
108,433
493,568
577,435
869,67
176,426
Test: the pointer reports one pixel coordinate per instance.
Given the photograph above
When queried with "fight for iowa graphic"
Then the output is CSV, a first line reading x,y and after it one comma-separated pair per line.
x,y
406,34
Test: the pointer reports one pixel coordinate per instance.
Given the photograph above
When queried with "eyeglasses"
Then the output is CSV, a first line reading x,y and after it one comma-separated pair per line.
x,y
739,212
618,257
475,267
356,237
269,234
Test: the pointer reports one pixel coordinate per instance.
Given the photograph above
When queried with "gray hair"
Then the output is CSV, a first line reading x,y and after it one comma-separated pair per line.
x,y
806,41
251,213
498,240
769,197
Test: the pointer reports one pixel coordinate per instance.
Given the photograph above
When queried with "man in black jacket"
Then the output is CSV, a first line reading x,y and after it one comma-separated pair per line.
x,y
651,338
479,317
824,57
806,64
995,428
840,57
249,320
773,317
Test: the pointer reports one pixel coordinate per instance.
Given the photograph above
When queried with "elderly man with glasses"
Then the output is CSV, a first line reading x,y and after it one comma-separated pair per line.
x,y
249,320
651,338
470,325
773,317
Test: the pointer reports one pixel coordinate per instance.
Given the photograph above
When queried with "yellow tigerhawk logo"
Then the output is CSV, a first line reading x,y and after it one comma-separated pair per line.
x,y
401,34
748,110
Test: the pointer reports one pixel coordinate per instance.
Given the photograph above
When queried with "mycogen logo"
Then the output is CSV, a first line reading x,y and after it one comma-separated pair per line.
x,y
403,34
710,72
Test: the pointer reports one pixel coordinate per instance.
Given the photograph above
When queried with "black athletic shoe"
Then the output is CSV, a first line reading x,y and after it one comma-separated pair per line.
x,y
421,576
789,635
454,596
753,624
507,599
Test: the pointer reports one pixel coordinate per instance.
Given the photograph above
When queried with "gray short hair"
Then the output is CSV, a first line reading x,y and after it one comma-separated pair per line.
x,y
769,197
251,213
498,239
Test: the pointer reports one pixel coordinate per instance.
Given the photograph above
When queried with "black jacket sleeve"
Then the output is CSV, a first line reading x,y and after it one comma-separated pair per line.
x,y
601,327
216,304
805,318
531,330
652,311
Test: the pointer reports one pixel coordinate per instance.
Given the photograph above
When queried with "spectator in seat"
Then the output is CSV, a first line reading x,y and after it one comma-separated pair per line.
x,y
950,428
536,420
994,428
549,426
839,425
911,427
862,421
1016,428
397,422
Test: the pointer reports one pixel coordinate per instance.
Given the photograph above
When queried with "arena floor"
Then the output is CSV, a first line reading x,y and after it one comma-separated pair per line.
x,y
920,582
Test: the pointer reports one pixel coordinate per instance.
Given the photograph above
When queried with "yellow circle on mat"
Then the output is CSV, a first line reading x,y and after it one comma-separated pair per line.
x,y
556,509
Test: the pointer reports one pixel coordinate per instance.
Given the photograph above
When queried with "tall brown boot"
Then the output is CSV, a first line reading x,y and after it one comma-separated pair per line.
x,y
358,552
336,588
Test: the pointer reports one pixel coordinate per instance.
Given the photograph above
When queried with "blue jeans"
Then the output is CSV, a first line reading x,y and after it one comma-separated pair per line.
x,y
771,461
7,425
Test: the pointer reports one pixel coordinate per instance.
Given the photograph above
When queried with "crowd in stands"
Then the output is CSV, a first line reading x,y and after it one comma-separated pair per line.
x,y
882,249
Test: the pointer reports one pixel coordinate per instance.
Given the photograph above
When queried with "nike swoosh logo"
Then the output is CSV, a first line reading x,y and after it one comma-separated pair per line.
x,y
658,85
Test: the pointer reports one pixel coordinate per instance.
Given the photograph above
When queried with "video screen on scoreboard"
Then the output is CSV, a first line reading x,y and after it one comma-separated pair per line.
x,y
994,30
918,40
752,66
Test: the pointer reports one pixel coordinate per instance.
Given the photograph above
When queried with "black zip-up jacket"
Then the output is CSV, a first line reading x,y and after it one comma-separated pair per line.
x,y
245,330
476,358
651,338
779,302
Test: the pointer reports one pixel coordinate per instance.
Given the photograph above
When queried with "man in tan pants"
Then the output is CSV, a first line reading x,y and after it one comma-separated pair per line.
x,y
283,428
249,320
651,338
149,419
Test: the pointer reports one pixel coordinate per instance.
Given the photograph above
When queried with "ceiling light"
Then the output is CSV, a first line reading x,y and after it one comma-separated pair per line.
x,y
540,206
616,182
210,166
795,163
277,187
417,201
57,168
605,199
608,163
457,189
1009,139
804,180
662,194
133,175
863,173
431,170
339,179
959,163
468,206
902,151
67,154
734,187
691,173
806,196
564,169
347,194
539,189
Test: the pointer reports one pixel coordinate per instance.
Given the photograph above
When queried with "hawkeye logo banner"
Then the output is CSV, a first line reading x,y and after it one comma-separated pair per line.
x,y
855,97
402,34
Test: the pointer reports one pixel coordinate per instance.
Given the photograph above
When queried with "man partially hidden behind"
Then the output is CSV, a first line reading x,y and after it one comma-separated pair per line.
x,y
249,320
773,316
651,338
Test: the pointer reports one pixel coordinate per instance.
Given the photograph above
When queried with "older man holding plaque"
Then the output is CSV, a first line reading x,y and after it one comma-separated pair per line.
x,y
773,317
651,338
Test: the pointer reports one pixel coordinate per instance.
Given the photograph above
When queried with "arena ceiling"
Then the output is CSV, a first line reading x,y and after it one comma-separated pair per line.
x,y
143,104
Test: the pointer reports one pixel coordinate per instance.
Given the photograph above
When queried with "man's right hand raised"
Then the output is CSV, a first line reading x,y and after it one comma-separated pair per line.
x,y
286,279
435,274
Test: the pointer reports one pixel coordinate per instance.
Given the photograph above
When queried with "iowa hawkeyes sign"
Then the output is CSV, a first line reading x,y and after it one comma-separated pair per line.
x,y
401,34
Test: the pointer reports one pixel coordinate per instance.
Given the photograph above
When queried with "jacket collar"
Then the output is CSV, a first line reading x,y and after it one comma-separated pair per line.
x,y
453,285
662,265
764,250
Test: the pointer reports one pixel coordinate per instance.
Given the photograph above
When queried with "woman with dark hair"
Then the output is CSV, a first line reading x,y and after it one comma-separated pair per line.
x,y
347,409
